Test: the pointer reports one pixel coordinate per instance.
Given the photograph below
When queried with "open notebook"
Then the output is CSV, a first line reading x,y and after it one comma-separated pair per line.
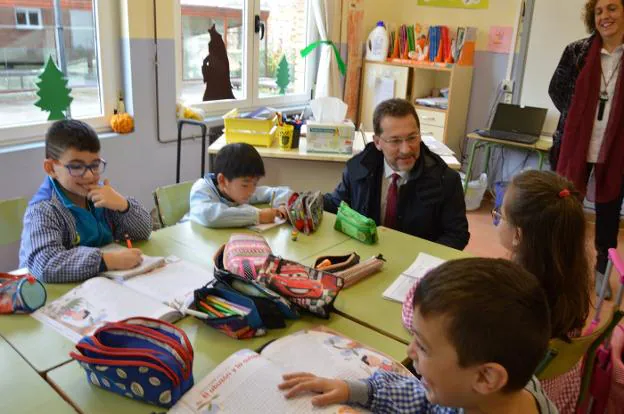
x,y
148,263
161,294
234,386
397,291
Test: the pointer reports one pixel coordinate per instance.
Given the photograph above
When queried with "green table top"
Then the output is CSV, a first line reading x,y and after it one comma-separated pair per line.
x,y
207,240
211,347
19,384
363,302
28,335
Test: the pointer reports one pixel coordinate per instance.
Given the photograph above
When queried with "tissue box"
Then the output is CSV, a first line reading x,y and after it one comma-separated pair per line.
x,y
330,138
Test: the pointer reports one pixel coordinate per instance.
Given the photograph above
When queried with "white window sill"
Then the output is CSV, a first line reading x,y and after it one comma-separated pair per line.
x,y
10,148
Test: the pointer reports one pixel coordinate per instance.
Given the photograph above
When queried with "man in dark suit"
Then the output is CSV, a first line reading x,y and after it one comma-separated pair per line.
x,y
401,184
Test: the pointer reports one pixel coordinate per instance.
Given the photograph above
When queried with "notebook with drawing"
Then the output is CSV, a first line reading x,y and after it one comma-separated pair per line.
x,y
233,386
397,291
158,294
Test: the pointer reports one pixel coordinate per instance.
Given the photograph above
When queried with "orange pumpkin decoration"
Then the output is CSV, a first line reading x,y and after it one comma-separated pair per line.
x,y
122,123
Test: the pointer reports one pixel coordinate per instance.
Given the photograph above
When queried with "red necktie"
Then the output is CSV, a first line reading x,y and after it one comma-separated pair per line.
x,y
392,201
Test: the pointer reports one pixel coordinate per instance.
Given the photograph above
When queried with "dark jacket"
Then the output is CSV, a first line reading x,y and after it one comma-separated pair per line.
x,y
562,86
431,202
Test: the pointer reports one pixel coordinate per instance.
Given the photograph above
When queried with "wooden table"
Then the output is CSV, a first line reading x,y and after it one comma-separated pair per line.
x,y
302,170
22,390
211,348
541,148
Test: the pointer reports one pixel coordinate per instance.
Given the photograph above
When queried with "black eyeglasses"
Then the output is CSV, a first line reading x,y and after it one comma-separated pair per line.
x,y
497,216
79,169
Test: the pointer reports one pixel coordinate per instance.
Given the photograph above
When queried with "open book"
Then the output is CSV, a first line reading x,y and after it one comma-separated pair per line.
x,y
149,263
247,381
162,293
398,289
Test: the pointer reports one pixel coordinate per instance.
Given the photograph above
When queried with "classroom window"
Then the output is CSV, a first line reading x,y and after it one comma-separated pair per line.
x,y
89,58
27,18
226,64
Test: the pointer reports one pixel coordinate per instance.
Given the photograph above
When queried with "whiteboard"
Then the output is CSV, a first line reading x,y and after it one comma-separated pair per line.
x,y
555,24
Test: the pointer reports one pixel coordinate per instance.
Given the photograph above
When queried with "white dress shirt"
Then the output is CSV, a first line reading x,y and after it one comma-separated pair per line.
x,y
385,184
609,62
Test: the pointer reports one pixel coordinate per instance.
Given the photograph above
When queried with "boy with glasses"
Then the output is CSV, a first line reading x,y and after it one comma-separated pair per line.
x,y
398,182
73,213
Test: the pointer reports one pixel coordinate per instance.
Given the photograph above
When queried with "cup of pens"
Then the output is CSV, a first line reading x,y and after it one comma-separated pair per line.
x,y
285,136
296,124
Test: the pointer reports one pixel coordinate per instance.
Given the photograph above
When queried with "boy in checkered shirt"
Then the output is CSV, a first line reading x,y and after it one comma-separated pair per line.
x,y
73,213
481,327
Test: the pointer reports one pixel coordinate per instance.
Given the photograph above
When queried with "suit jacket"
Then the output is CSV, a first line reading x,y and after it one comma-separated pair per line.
x,y
431,202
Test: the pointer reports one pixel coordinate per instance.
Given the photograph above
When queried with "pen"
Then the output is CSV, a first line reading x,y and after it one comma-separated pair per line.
x,y
128,241
272,199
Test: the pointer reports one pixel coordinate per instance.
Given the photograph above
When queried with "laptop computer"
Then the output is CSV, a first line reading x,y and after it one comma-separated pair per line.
x,y
515,123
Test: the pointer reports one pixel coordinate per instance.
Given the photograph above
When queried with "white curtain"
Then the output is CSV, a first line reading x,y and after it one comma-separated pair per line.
x,y
328,16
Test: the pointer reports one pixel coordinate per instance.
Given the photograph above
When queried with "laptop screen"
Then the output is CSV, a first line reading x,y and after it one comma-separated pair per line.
x,y
522,120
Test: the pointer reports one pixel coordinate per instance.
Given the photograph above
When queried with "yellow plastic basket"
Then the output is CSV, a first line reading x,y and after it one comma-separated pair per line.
x,y
233,122
257,139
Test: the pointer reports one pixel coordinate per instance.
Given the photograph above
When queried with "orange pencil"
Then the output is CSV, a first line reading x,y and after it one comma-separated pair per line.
x,y
128,241
211,309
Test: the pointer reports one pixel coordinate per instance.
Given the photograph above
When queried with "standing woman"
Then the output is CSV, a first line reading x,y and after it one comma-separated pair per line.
x,y
587,88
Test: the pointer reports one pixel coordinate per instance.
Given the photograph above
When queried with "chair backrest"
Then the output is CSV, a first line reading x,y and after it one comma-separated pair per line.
x,y
563,356
172,202
11,219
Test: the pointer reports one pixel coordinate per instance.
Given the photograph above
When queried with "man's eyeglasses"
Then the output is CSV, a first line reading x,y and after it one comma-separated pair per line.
x,y
78,169
497,216
396,142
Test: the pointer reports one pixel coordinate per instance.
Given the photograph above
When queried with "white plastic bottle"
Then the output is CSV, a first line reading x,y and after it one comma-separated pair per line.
x,y
377,44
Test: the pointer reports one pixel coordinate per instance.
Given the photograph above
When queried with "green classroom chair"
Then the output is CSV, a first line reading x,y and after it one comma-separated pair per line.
x,y
172,202
11,220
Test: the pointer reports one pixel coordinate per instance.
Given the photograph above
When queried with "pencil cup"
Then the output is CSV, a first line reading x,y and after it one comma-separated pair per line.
x,y
285,135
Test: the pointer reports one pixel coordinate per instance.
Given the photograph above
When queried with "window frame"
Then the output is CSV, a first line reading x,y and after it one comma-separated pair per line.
x,y
107,28
28,25
251,70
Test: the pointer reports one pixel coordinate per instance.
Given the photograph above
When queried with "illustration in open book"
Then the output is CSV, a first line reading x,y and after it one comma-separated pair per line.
x,y
77,314
233,385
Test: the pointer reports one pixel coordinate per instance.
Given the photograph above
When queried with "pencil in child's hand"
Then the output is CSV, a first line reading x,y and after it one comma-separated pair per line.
x,y
128,241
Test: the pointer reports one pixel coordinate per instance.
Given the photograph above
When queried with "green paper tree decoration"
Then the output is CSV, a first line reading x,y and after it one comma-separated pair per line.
x,y
53,92
282,78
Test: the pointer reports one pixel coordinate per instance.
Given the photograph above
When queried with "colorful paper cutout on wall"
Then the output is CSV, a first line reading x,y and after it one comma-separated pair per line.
x,y
499,40
282,77
216,69
458,4
54,95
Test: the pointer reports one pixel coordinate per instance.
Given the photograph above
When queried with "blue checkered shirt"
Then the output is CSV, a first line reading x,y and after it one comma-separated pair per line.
x,y
48,240
394,393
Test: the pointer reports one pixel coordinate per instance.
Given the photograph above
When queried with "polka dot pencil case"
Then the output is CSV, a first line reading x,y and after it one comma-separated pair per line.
x,y
140,358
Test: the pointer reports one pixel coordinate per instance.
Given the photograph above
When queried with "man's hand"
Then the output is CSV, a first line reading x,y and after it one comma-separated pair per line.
x,y
267,215
106,196
122,259
332,391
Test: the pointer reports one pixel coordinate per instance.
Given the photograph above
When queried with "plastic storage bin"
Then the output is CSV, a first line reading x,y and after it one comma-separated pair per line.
x,y
258,132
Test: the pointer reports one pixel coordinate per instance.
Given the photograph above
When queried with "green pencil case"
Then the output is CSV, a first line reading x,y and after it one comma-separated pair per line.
x,y
354,224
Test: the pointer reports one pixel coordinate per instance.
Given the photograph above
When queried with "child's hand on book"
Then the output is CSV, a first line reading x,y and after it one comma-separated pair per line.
x,y
122,259
333,391
106,196
267,215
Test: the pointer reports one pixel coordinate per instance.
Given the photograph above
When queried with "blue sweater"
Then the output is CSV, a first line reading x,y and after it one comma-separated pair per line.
x,y
211,209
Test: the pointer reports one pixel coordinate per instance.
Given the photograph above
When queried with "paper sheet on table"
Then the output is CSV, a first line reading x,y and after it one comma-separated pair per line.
x,y
398,290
